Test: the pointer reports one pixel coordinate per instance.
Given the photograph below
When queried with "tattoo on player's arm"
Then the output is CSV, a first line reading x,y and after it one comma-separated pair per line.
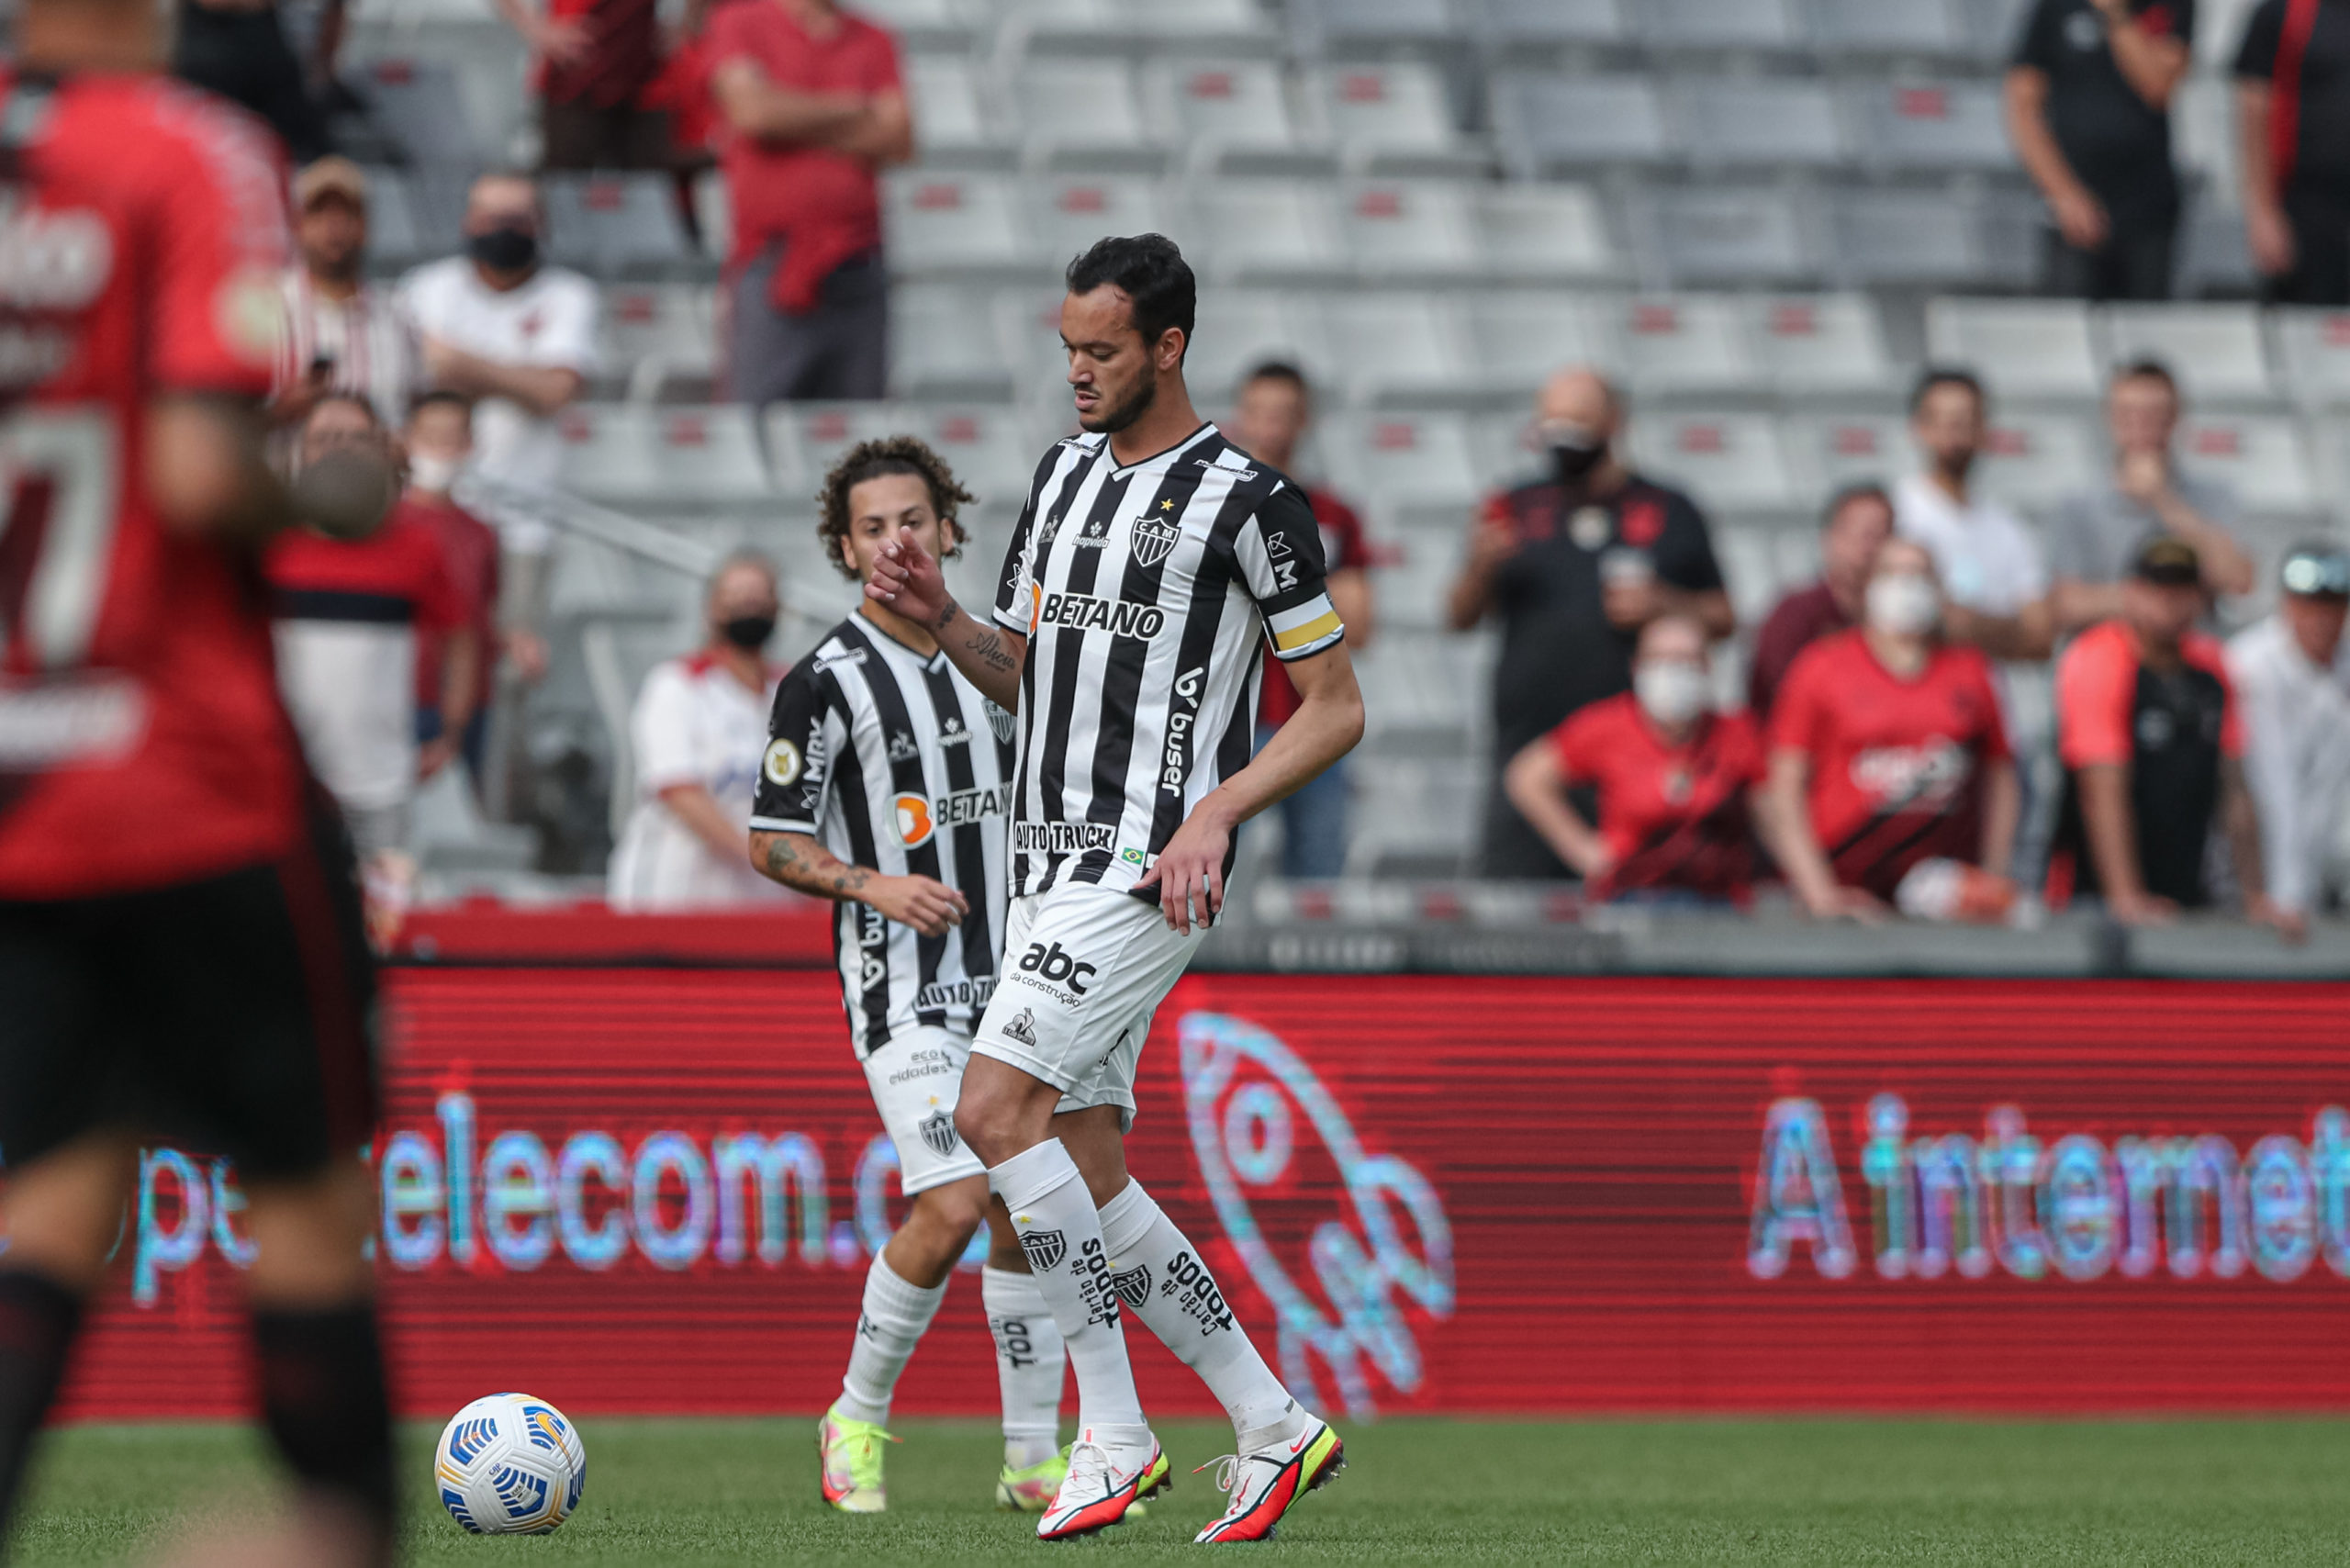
x,y
851,881
946,616
798,861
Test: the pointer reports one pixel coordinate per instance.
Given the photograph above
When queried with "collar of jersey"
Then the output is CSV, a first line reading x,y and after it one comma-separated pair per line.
x,y
1120,470
873,632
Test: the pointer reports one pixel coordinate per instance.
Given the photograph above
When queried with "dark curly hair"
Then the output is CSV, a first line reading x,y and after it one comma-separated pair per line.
x,y
878,460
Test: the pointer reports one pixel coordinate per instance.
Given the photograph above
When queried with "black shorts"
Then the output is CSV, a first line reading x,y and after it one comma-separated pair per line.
x,y
234,1014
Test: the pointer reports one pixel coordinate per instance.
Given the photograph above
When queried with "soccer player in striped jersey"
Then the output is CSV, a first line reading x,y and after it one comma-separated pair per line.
x,y
885,787
1153,565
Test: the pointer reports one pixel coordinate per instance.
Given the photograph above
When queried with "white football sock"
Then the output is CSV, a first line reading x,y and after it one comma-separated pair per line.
x,y
1030,1366
1062,1235
886,1331
1157,1274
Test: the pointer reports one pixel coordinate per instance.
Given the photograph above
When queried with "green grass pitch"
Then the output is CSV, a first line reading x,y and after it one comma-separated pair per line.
x,y
722,1493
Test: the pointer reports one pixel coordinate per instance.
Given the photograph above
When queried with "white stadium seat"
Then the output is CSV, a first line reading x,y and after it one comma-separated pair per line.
x,y
1269,230
2022,347
663,458
1898,28
953,124
1067,213
1728,234
1548,232
656,333
1730,462
1719,24
1551,122
396,236
1832,451
944,342
943,21
2261,457
1750,561
991,450
1322,26
1230,113
2036,462
1506,25
1931,125
1390,116
1083,114
617,225
1419,464
1195,23
1521,339
2217,351
1820,345
2313,351
1399,347
1409,230
1683,343
1239,328
1907,239
1744,122
944,223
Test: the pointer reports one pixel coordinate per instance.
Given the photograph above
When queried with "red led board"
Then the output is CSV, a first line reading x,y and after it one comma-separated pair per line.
x,y
657,1190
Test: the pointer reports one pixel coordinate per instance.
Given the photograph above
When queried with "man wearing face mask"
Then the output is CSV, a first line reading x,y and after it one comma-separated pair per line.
x,y
698,734
1574,566
504,328
1889,755
1672,778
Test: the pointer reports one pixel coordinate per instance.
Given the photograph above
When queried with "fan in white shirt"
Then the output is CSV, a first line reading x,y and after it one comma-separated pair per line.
x,y
698,734
499,325
2292,685
1993,578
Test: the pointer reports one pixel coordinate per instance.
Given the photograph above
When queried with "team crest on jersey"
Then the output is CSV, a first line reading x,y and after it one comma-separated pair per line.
x,y
1000,720
1154,539
938,1132
783,765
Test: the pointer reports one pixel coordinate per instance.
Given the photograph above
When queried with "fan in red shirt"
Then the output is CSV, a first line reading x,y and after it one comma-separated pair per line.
x,y
595,64
1272,415
1674,780
181,951
813,108
1858,521
1887,754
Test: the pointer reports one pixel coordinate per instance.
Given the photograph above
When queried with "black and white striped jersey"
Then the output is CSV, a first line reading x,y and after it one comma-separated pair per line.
x,y
1148,594
893,761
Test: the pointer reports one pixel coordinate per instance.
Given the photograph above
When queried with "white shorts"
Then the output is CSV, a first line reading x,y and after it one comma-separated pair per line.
x,y
1084,970
915,1079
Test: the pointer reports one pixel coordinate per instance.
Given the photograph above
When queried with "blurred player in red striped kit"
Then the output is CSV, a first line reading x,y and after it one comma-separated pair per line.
x,y
181,952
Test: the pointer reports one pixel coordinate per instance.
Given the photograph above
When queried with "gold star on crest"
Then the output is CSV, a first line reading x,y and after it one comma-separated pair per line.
x,y
1167,506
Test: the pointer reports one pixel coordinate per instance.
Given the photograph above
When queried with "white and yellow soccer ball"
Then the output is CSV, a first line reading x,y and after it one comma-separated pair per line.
x,y
510,1464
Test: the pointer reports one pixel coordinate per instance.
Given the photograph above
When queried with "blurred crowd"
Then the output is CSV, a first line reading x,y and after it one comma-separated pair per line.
x,y
1878,758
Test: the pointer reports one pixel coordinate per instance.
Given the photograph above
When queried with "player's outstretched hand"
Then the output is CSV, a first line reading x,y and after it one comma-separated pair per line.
x,y
1190,873
930,907
907,579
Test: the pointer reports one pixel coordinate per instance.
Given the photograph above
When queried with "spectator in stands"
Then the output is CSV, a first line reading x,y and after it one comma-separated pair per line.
x,y
812,107
438,442
1994,584
1574,566
698,733
518,336
593,62
2291,676
2097,533
1889,762
238,49
2088,99
1858,521
502,326
1672,779
343,334
2152,742
1275,409
2293,142
353,616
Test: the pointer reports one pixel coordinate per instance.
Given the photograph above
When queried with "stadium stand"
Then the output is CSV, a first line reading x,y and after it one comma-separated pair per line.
x,y
1765,215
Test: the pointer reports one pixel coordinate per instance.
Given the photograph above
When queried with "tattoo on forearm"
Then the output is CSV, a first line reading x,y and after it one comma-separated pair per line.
x,y
988,649
851,881
818,872
946,616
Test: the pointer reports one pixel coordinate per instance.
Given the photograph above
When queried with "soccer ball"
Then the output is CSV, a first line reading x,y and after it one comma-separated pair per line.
x,y
510,1464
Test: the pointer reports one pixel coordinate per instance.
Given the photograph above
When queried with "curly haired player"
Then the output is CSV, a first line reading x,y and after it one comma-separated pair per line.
x,y
886,788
